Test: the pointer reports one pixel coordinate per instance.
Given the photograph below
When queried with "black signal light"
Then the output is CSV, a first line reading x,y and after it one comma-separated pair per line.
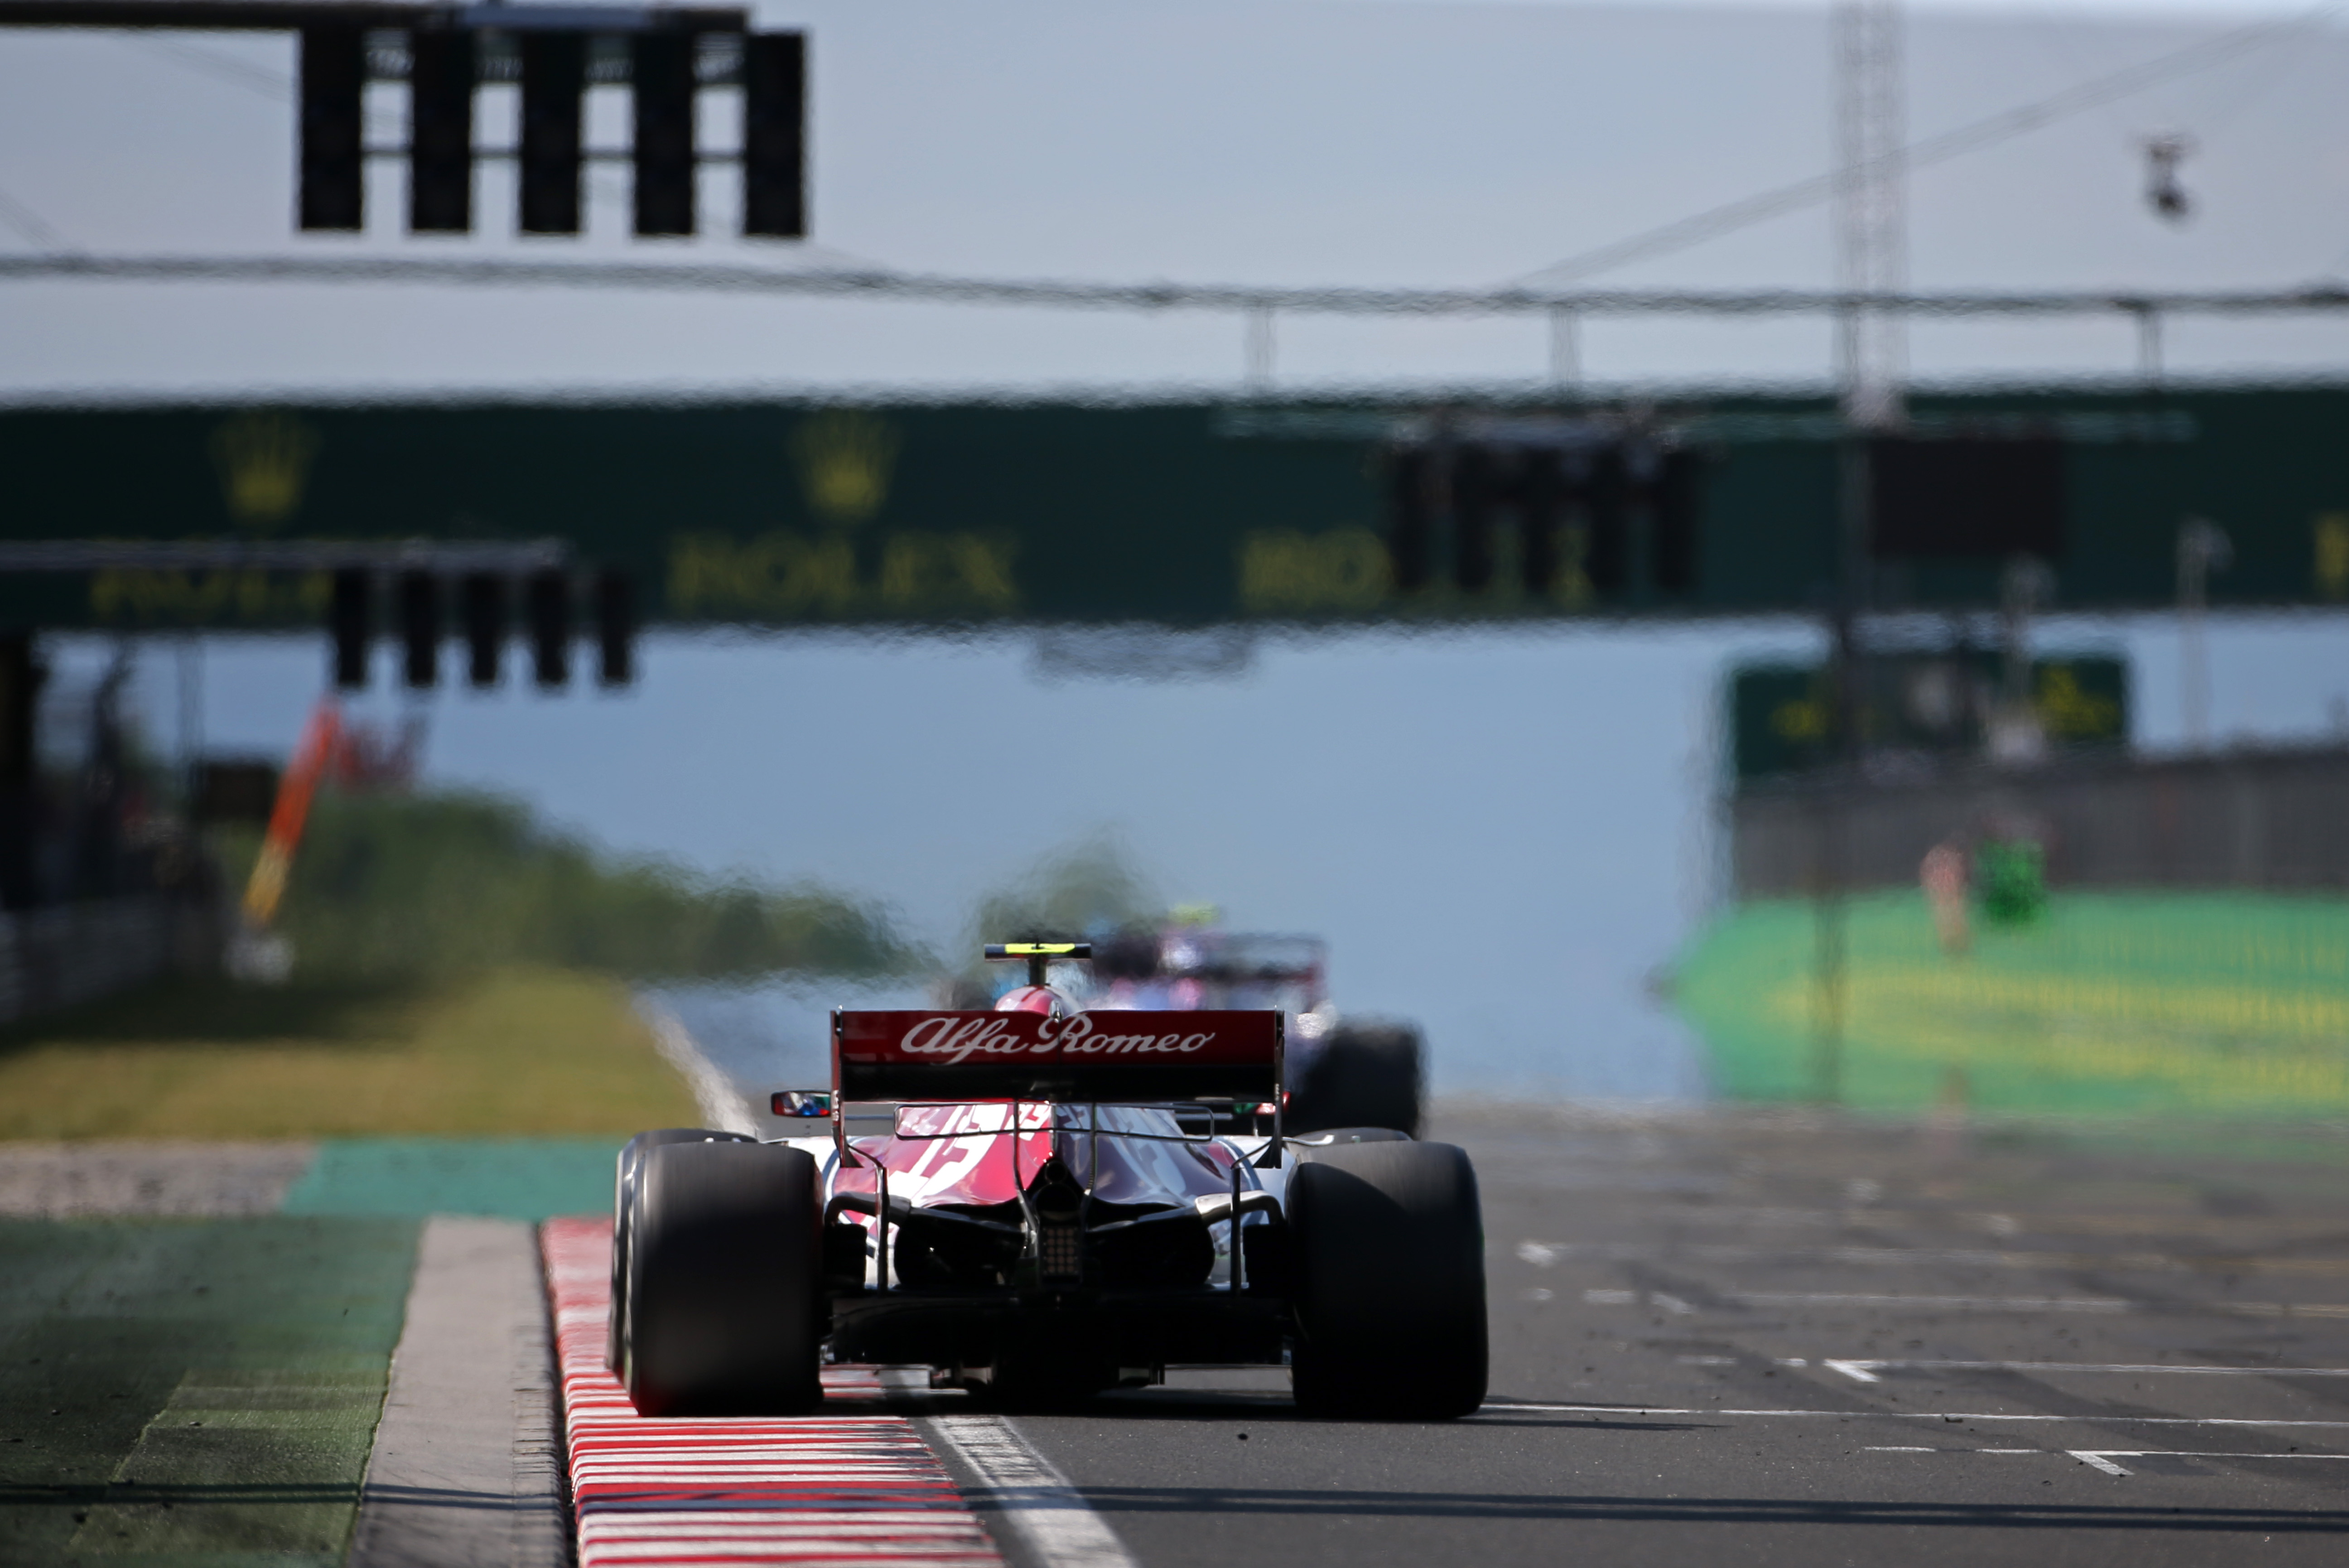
x,y
419,629
616,628
1410,525
1541,501
1675,503
1476,482
481,603
1606,521
440,130
774,135
548,605
333,185
554,82
662,70
351,622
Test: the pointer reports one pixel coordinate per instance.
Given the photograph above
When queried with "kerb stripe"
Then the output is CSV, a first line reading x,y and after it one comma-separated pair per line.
x,y
841,1488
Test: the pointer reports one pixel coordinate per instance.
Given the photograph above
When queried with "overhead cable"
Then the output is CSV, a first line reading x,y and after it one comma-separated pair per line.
x,y
868,282
1730,216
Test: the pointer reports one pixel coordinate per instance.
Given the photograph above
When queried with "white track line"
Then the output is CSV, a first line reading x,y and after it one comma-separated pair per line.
x,y
1909,1257
1934,1303
2102,1459
714,1094
2029,1304
2096,1420
1997,1303
1865,1371
1032,1499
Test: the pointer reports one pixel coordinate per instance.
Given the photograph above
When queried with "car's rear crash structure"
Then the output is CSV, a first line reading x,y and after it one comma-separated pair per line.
x,y
1062,1202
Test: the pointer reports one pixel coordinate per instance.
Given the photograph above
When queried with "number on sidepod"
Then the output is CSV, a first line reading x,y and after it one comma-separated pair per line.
x,y
1389,1265
724,1315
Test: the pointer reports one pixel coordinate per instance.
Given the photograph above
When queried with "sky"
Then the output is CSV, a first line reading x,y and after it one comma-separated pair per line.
x,y
1288,141
1503,834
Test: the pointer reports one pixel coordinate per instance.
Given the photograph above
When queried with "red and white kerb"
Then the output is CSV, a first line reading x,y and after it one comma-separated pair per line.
x,y
810,1490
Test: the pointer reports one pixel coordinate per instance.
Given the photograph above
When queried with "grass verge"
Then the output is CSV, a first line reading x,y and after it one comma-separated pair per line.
x,y
514,1053
192,1391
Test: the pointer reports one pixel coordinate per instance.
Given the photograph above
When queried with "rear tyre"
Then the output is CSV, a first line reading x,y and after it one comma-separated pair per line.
x,y
1389,1270
725,1315
1367,1075
632,1154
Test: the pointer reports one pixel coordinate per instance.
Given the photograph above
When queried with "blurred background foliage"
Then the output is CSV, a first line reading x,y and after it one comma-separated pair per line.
x,y
1087,889
450,882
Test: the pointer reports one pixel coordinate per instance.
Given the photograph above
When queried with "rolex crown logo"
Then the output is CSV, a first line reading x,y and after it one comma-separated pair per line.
x,y
844,460
265,460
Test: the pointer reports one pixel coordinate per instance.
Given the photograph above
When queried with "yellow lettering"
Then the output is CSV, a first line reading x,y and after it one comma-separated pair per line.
x,y
310,594
910,568
2332,555
1574,590
825,576
787,575
1805,720
108,590
2071,713
986,569
1341,569
202,599
700,566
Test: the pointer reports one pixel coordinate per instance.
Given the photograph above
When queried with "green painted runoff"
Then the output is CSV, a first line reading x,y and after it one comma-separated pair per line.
x,y
508,1179
192,1392
2163,1004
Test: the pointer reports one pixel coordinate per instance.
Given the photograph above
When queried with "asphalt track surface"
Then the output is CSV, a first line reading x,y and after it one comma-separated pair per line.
x,y
1728,1337
2018,1333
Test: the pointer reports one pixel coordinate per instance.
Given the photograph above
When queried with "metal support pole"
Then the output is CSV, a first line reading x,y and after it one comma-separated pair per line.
x,y
1871,363
1840,783
1870,209
1830,984
192,719
1565,348
2202,548
1257,347
2148,347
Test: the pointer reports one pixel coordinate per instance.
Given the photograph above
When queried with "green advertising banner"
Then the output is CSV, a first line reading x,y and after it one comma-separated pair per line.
x,y
794,514
1781,716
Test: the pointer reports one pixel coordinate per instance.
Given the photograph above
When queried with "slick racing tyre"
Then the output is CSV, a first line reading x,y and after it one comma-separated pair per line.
x,y
1389,1270
724,1313
632,1154
1367,1075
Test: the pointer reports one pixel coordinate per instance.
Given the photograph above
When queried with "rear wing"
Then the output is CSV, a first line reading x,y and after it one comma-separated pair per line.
x,y
1109,1058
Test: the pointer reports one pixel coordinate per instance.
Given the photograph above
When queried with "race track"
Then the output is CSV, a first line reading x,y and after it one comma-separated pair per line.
x,y
1752,1339
1729,1336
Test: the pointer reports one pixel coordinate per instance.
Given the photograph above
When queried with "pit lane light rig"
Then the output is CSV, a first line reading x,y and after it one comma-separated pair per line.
x,y
416,574
1600,508
666,56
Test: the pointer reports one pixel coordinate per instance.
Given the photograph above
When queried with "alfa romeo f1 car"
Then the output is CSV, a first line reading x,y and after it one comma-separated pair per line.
x,y
1052,1203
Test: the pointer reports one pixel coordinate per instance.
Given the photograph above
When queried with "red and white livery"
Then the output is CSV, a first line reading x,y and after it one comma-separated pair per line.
x,y
1041,1203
